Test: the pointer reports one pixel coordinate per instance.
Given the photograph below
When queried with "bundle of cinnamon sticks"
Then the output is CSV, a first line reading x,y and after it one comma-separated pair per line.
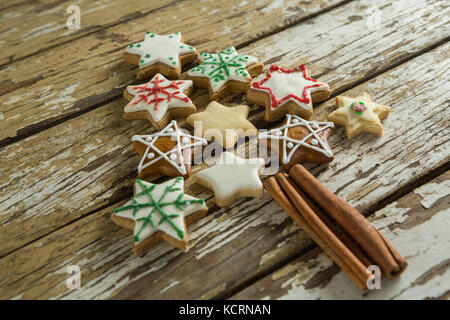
x,y
339,229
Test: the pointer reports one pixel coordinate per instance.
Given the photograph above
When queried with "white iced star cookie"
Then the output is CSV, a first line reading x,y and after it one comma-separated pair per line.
x,y
159,212
232,178
359,114
163,54
285,91
159,100
224,72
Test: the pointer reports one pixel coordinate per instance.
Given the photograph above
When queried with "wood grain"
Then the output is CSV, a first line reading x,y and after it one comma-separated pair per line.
x,y
416,224
35,26
253,236
84,164
50,87
82,74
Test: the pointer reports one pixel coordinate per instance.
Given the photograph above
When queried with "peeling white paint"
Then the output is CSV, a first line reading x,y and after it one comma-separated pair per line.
x,y
432,192
63,98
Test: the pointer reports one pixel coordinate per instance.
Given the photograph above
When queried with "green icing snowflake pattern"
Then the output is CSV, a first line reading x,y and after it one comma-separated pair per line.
x,y
223,66
155,200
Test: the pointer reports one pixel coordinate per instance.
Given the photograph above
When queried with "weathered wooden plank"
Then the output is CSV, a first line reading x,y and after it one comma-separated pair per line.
x,y
82,74
33,26
251,238
416,224
96,166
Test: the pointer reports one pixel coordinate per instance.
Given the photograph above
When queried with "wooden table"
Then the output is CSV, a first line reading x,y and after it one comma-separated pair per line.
x,y
67,161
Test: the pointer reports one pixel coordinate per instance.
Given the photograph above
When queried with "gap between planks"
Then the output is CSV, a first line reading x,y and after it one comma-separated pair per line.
x,y
105,27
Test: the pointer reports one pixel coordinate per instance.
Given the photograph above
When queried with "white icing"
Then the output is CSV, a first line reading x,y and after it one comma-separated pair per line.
x,y
213,67
165,227
290,123
171,130
170,95
232,174
156,48
283,84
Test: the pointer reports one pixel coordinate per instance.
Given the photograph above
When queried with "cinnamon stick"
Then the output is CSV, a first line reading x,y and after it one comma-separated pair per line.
x,y
349,242
377,248
319,232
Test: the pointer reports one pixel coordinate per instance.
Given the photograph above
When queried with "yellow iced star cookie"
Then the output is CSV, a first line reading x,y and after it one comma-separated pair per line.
x,y
359,114
223,124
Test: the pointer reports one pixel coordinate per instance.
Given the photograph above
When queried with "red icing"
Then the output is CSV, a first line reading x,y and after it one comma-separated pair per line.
x,y
275,103
147,93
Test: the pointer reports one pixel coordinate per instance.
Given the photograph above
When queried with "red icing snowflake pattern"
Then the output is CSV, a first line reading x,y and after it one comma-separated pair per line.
x,y
275,102
154,94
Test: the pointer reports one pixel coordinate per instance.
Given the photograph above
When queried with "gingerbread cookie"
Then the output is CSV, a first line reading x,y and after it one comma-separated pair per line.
x,y
163,54
223,124
159,100
224,72
301,141
290,91
359,114
166,152
232,178
159,212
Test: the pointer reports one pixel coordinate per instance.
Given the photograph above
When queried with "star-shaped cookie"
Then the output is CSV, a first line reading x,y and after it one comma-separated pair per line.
x,y
290,91
163,54
359,114
166,152
301,141
223,124
224,72
159,100
232,178
159,212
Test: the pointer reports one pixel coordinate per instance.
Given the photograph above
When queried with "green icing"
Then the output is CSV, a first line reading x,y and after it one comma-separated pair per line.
x,y
222,63
157,207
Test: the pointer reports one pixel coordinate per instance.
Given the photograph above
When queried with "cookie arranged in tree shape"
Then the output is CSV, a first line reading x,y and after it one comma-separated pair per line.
x,y
359,114
224,124
232,177
290,91
224,72
159,212
167,152
163,54
300,141
159,100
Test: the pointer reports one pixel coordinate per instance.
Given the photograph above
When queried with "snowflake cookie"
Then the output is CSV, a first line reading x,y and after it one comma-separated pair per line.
x,y
167,152
359,114
290,91
159,212
232,178
300,141
163,54
159,100
224,72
